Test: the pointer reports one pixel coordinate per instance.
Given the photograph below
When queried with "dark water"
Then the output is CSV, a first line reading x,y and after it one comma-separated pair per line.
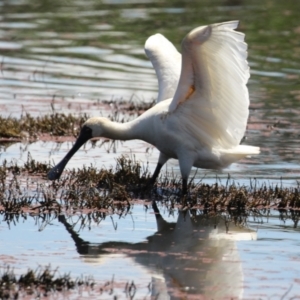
x,y
77,53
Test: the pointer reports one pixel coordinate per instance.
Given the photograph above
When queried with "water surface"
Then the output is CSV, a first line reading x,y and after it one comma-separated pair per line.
x,y
74,54
176,254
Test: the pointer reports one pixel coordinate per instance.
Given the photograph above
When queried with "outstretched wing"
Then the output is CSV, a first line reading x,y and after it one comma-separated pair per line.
x,y
166,61
212,89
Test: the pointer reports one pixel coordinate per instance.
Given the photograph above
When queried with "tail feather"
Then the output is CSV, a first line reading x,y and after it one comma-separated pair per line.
x,y
229,156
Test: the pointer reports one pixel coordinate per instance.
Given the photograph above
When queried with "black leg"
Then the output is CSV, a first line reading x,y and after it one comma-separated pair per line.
x,y
184,186
155,174
151,181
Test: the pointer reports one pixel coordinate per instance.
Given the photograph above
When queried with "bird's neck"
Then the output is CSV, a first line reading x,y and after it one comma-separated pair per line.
x,y
122,131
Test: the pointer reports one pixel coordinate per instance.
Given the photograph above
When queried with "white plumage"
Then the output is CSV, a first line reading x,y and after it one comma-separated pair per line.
x,y
203,124
166,61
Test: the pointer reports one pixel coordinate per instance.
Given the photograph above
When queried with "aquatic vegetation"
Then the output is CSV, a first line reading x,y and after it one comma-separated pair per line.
x,y
24,189
27,127
42,282
45,281
131,106
60,124
31,166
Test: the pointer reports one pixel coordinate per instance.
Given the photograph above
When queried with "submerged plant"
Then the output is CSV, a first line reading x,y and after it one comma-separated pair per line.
x,y
115,190
38,283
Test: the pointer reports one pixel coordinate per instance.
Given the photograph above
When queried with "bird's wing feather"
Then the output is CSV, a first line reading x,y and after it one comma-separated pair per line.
x,y
212,90
166,61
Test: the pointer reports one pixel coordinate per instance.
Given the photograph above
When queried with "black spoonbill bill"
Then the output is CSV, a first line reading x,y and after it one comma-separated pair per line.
x,y
205,121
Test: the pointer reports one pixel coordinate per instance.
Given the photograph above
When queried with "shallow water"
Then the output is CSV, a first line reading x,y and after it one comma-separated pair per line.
x,y
74,54
178,256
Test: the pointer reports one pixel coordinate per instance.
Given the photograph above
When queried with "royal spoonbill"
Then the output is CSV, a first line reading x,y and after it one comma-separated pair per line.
x,y
204,122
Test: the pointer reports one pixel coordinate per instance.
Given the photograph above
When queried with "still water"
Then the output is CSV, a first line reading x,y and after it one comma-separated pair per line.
x,y
169,254
76,54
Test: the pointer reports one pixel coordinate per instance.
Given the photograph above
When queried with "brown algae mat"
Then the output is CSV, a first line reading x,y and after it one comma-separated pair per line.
x,y
25,188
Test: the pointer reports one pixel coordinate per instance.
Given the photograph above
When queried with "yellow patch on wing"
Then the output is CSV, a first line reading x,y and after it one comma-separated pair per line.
x,y
188,94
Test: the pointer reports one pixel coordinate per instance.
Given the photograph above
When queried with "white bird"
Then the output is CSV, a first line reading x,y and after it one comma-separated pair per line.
x,y
203,124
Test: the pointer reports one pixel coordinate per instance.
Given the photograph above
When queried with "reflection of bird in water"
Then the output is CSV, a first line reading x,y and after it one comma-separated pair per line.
x,y
194,258
203,124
